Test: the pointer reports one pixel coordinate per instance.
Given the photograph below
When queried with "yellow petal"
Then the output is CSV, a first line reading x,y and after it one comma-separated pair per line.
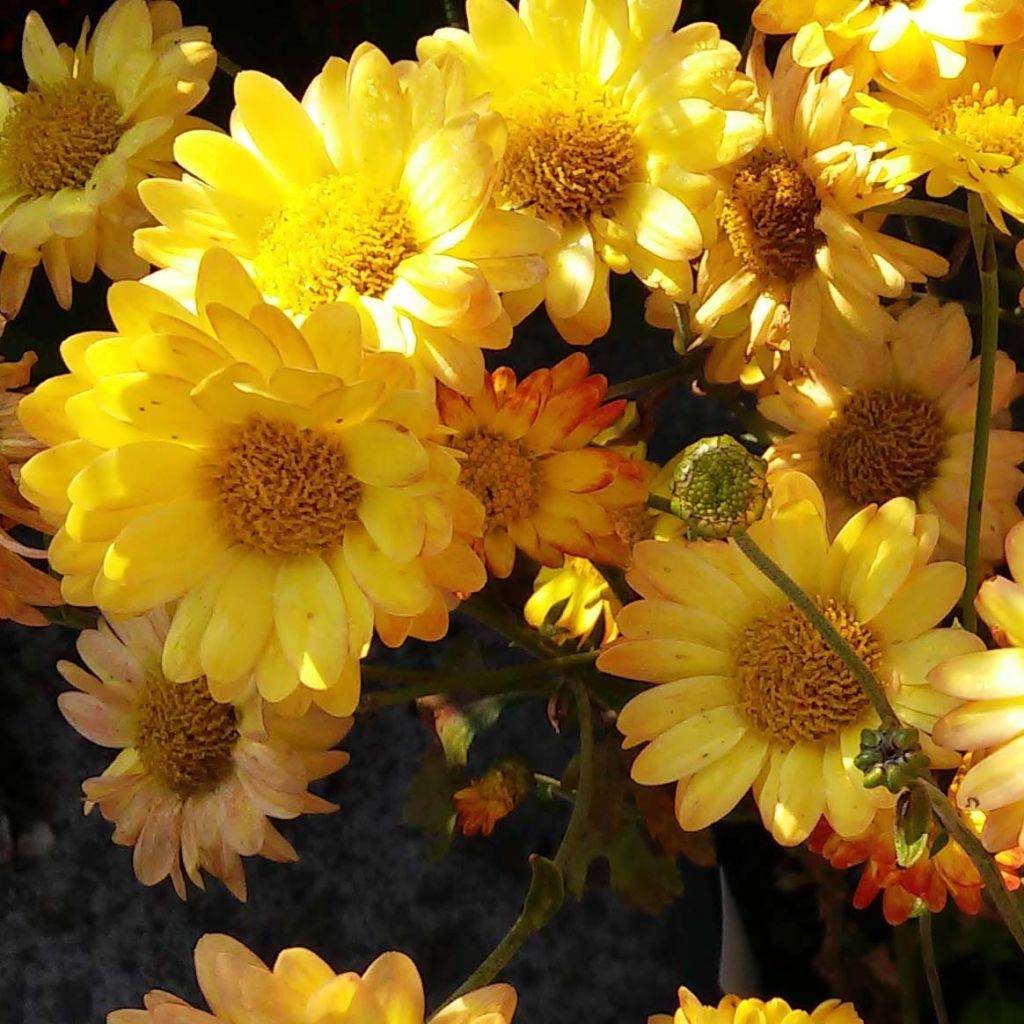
x,y
137,474
717,788
689,746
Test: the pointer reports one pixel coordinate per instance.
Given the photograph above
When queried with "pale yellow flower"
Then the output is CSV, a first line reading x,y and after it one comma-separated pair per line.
x,y
96,120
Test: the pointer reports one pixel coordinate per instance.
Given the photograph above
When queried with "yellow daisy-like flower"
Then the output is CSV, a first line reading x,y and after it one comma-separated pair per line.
x,y
797,259
279,481
569,602
195,782
900,422
736,1010
95,121
749,694
527,458
615,123
964,132
912,42
988,686
239,989
374,190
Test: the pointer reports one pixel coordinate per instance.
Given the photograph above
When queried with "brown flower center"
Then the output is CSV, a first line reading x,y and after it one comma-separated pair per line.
x,y
501,474
792,685
54,137
184,737
284,489
884,444
769,217
571,149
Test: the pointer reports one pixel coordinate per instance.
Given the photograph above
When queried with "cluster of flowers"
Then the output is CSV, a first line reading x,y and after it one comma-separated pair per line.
x,y
288,444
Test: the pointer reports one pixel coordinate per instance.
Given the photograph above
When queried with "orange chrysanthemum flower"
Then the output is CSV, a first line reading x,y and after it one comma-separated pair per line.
x,y
527,458
23,589
195,782
927,883
495,795
240,989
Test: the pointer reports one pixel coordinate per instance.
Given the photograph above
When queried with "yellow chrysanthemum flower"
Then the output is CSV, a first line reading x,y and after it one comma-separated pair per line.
x,y
301,987
614,125
279,481
95,121
750,695
527,458
375,190
988,686
797,259
569,602
900,422
737,1010
194,781
965,132
912,42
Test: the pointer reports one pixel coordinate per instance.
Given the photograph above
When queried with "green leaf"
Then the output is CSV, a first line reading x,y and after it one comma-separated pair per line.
x,y
913,816
546,894
428,803
457,727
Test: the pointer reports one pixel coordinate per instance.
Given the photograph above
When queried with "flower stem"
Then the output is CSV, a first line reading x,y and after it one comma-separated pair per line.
x,y
931,969
872,687
650,380
547,888
903,943
1006,903
925,208
227,66
988,273
501,680
455,13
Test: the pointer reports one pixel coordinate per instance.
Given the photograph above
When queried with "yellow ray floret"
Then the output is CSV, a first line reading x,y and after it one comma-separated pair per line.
x,y
278,481
95,121
615,125
737,1010
373,190
748,695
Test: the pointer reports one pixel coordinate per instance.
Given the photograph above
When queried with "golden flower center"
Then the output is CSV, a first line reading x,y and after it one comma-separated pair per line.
x,y
571,149
632,524
54,137
884,444
770,217
501,474
985,121
185,739
284,489
341,235
792,685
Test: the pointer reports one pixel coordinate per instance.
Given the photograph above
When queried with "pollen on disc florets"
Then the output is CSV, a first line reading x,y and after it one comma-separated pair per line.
x,y
184,737
986,121
342,235
54,137
501,474
283,489
792,685
885,443
770,217
718,487
571,149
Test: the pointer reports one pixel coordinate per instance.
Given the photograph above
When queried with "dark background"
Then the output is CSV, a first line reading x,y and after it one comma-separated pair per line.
x,y
78,935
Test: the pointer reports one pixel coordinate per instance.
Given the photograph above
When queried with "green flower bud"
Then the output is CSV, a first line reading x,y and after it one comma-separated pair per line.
x,y
718,488
890,756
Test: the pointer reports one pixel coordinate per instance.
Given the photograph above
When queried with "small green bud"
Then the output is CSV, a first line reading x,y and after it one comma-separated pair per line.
x,y
718,488
890,756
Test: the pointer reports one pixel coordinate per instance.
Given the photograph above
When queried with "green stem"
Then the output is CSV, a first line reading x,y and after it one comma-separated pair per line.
x,y
903,942
988,272
649,381
925,208
455,13
916,236
486,612
585,787
1006,903
227,66
546,891
931,969
501,680
872,687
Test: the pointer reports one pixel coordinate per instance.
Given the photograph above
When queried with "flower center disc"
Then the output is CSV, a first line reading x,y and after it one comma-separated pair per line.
x,y
985,122
184,737
341,234
792,685
884,444
769,218
500,474
284,489
571,149
53,138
